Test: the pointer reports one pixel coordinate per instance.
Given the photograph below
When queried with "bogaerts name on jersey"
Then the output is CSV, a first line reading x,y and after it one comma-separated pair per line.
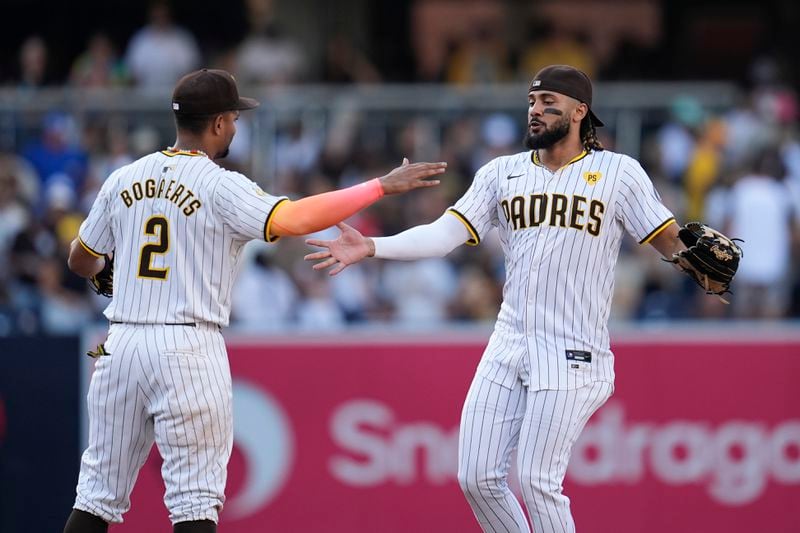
x,y
178,195
554,209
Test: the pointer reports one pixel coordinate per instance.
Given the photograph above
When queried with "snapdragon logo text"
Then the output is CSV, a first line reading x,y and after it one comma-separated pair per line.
x,y
734,460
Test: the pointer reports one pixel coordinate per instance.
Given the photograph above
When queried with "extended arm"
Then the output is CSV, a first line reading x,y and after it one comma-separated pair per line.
x,y
436,239
321,211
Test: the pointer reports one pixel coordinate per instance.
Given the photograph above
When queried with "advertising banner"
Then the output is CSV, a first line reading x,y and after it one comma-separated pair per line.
x,y
362,436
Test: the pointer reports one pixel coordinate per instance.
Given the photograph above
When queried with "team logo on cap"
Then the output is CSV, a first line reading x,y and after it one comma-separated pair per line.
x,y
592,177
536,83
176,106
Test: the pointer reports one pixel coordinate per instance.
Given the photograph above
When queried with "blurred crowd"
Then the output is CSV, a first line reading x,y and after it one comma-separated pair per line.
x,y
737,169
448,44
160,52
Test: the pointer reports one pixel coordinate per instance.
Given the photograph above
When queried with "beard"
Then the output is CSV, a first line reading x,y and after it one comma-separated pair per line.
x,y
550,136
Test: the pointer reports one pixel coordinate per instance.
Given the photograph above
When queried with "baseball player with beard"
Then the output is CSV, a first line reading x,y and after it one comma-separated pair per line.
x,y
176,223
561,209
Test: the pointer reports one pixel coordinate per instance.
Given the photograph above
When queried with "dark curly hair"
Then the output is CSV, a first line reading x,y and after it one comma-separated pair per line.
x,y
589,135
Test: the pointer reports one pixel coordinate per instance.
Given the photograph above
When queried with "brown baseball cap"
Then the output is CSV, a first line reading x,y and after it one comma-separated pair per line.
x,y
569,81
207,92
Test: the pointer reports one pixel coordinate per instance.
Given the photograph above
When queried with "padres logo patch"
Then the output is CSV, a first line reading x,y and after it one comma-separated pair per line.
x,y
258,190
592,177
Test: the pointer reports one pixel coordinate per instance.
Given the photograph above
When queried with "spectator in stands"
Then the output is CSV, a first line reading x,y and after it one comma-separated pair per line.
x,y
420,291
107,145
552,44
756,123
477,298
27,179
704,168
317,311
33,64
14,214
499,136
57,152
14,217
161,52
64,309
60,215
459,140
44,293
30,246
761,212
677,137
790,156
98,65
267,56
355,294
240,152
481,57
297,147
346,63
264,297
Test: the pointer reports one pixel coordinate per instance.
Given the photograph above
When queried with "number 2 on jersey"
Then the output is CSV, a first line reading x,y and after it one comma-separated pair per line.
x,y
156,226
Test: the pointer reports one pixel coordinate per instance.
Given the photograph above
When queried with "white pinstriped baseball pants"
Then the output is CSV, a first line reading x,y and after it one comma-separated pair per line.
x,y
542,425
165,384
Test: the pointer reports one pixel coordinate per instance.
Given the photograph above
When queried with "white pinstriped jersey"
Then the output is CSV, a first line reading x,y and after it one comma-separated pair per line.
x,y
561,233
177,223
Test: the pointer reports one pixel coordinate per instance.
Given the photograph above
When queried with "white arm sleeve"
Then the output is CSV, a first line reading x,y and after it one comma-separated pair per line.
x,y
436,239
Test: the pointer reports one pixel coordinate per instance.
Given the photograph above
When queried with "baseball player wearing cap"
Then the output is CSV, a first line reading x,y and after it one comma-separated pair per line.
x,y
561,208
176,223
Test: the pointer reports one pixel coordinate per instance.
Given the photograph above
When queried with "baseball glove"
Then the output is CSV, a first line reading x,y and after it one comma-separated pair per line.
x,y
710,258
102,283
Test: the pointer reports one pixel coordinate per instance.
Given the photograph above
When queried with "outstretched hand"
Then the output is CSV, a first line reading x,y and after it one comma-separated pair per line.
x,y
349,248
409,176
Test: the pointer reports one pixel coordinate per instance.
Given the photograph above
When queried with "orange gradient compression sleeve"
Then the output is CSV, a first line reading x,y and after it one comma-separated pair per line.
x,y
315,213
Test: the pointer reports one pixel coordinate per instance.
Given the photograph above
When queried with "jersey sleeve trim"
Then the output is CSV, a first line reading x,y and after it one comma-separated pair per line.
x,y
88,249
268,221
475,240
653,234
